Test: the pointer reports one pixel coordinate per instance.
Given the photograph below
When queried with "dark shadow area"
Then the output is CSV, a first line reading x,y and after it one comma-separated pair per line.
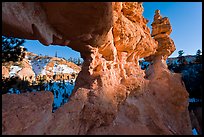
x,y
192,77
60,89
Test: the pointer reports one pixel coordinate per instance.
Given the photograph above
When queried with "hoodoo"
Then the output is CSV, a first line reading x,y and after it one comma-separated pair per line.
x,y
113,95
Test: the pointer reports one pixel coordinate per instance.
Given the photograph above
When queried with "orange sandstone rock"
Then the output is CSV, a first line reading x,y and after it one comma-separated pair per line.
x,y
5,72
111,95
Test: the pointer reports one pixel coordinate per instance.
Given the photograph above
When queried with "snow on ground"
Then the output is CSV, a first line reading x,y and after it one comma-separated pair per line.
x,y
26,57
188,58
14,70
61,90
60,69
39,66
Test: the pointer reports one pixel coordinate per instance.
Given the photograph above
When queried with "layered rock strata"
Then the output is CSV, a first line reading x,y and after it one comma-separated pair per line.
x,y
112,94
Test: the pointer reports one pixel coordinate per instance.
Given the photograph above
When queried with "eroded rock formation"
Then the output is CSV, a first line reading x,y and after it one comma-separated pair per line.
x,y
112,95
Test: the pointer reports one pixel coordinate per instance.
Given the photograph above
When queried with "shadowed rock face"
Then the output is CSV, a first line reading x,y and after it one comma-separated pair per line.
x,y
27,113
52,23
111,95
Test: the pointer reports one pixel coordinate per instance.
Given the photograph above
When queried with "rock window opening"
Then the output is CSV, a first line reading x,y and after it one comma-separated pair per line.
x,y
36,72
144,64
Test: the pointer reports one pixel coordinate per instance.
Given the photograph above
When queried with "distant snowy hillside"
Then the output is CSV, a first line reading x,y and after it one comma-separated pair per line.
x,y
43,65
39,66
175,60
170,61
60,77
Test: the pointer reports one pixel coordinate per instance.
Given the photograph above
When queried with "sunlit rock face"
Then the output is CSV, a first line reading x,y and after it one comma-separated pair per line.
x,y
112,95
5,72
161,29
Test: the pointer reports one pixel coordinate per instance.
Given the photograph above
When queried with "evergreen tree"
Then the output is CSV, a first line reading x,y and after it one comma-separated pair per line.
x,y
180,52
198,56
181,59
12,50
70,59
56,54
198,52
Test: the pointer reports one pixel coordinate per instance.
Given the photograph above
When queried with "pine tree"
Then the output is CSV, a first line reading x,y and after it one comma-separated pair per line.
x,y
11,49
70,59
198,56
180,52
56,54
181,59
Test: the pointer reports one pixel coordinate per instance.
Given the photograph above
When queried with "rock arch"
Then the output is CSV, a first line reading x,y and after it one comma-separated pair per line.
x,y
111,95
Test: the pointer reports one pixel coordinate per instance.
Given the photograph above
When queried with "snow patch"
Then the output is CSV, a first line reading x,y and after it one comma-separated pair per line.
x,y
14,70
39,66
61,69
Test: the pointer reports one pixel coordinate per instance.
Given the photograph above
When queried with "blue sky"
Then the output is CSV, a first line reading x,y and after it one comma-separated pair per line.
x,y
185,18
62,51
186,21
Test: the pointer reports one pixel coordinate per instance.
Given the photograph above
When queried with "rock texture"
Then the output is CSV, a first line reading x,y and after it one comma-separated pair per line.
x,y
27,113
196,119
161,30
112,94
5,72
26,72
